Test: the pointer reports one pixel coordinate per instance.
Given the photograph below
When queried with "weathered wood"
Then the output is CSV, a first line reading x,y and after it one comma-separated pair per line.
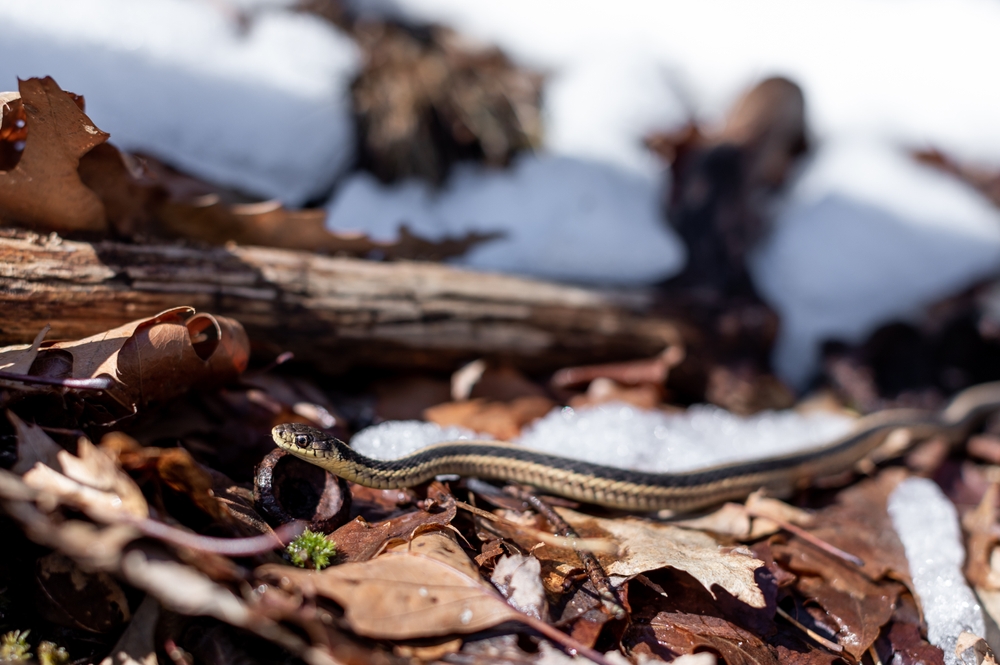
x,y
335,312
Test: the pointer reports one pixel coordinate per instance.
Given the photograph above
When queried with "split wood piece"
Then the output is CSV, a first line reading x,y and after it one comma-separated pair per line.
x,y
332,312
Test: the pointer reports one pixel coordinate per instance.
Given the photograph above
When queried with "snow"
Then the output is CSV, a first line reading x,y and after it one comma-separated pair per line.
x,y
927,525
621,435
265,111
563,218
867,236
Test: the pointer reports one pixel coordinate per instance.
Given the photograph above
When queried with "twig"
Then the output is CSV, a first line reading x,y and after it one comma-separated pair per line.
x,y
251,546
816,637
96,383
602,545
595,571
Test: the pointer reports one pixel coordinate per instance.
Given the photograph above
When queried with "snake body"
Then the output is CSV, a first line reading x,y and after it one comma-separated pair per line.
x,y
638,490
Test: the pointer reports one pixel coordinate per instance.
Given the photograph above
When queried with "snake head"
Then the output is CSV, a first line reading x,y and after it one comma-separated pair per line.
x,y
296,437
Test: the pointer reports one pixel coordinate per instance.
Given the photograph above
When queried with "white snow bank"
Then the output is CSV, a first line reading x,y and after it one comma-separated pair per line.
x,y
564,218
626,437
865,65
265,111
868,236
927,524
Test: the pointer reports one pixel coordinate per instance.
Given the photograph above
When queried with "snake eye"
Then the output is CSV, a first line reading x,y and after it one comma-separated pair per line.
x,y
302,440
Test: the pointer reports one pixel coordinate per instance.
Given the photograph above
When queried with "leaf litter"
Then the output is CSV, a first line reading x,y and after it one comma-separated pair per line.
x,y
135,549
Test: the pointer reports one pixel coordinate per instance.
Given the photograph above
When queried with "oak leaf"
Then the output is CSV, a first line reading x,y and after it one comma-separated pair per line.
x,y
44,191
650,546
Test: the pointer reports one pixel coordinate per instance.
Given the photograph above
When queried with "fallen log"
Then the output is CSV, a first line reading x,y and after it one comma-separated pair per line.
x,y
334,312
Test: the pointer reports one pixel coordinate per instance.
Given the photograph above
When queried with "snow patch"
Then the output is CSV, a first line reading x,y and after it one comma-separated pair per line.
x,y
868,236
563,218
927,524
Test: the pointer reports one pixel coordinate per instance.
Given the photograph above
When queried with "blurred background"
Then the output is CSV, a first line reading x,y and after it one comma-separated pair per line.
x,y
814,184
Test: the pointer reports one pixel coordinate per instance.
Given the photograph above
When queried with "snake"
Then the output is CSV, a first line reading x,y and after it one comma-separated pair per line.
x,y
641,491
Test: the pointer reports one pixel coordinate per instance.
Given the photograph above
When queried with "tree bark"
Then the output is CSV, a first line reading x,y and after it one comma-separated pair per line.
x,y
334,312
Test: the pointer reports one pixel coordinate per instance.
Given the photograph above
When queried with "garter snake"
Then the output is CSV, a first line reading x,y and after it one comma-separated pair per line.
x,y
638,490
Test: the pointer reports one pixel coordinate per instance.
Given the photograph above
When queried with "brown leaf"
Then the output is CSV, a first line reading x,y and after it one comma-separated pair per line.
x,y
151,360
143,197
501,420
910,648
33,446
182,589
44,190
175,468
19,358
76,598
359,541
13,129
650,546
404,596
670,634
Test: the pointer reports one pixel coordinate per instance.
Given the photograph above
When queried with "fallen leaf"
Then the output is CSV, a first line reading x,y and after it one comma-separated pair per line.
x,y
439,545
149,360
498,419
44,190
669,634
404,596
603,390
650,546
33,446
910,648
71,596
182,589
173,466
18,359
91,483
359,541
518,577
970,648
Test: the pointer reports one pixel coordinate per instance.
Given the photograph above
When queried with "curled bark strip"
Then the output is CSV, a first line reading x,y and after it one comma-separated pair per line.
x,y
287,489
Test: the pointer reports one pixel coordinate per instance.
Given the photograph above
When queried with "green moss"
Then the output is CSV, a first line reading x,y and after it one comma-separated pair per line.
x,y
14,647
51,654
311,549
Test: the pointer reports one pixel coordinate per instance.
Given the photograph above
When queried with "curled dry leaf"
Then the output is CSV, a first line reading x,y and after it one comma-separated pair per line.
x,y
91,483
149,360
43,191
650,546
359,541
